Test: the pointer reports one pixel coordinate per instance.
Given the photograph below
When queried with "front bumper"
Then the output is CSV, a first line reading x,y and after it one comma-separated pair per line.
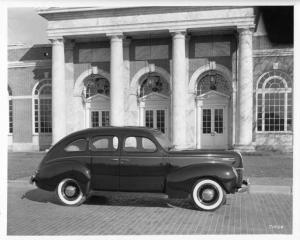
x,y
245,186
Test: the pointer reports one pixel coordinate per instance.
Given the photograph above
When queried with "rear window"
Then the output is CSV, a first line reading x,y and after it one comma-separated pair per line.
x,y
78,145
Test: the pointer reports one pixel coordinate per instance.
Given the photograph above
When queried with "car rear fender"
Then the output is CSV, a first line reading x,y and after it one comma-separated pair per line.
x,y
52,174
183,179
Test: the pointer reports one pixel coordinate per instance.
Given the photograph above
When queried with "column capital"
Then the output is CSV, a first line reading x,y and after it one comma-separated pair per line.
x,y
178,32
57,41
115,36
246,30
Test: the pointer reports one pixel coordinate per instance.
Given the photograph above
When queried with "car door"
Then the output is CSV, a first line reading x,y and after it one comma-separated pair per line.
x,y
105,153
142,166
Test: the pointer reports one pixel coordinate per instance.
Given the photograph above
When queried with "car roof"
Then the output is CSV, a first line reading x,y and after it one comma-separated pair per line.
x,y
113,130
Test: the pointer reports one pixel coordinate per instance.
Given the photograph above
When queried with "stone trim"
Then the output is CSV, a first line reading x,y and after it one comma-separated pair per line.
x,y
239,17
273,52
25,46
37,64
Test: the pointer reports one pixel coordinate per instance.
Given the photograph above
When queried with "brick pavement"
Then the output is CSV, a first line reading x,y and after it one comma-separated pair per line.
x,y
32,211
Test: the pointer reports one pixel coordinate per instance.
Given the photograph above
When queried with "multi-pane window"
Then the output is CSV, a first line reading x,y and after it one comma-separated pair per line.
x,y
10,113
206,120
160,120
100,118
149,118
43,107
274,102
156,119
219,120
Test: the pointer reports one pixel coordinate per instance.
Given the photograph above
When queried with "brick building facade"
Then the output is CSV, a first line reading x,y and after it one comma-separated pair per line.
x,y
204,76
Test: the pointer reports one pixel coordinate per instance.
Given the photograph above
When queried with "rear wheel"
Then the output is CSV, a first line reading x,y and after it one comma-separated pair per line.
x,y
69,192
208,195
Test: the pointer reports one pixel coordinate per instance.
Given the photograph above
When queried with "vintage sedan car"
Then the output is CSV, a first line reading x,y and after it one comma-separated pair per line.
x,y
137,159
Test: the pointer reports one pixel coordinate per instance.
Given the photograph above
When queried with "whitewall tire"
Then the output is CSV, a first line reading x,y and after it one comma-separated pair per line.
x,y
69,192
208,195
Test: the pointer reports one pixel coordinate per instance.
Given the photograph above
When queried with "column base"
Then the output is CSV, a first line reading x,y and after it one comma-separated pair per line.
x,y
244,148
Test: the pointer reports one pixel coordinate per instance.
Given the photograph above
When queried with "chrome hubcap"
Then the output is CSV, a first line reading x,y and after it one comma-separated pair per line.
x,y
70,191
208,194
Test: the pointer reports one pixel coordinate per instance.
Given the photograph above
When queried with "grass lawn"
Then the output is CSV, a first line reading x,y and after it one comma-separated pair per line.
x,y
258,164
268,164
22,164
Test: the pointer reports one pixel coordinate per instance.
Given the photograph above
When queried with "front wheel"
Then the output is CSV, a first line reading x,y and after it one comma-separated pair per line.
x,y
208,195
69,192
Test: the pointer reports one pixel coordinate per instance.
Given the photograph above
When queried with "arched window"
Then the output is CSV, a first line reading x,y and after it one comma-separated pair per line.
x,y
154,83
274,102
96,84
10,113
213,80
43,107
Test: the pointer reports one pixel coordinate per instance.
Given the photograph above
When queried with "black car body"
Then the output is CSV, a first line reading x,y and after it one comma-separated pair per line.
x,y
137,159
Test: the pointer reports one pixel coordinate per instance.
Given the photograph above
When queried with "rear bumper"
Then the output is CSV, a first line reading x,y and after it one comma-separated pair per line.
x,y
32,179
244,187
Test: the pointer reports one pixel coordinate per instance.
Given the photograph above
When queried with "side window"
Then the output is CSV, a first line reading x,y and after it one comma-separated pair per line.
x,y
104,143
78,145
148,145
139,144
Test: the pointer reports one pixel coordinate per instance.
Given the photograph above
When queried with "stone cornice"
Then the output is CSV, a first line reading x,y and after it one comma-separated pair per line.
x,y
38,64
217,18
24,46
273,52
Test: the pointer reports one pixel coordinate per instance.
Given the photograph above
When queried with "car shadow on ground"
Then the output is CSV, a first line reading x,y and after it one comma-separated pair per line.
x,y
139,201
42,196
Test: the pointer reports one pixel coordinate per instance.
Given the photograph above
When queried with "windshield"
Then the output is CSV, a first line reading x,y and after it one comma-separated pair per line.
x,y
163,141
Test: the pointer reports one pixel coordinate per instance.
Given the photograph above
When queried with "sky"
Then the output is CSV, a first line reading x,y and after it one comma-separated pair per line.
x,y
25,26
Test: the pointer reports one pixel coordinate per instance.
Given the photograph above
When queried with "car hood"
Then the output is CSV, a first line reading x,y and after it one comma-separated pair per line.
x,y
230,157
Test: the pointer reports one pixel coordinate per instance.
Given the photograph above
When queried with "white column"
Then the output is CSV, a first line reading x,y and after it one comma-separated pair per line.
x,y
142,113
198,124
58,90
116,80
245,89
179,89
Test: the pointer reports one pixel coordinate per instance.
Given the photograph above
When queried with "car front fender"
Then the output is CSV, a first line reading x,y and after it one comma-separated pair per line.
x,y
180,181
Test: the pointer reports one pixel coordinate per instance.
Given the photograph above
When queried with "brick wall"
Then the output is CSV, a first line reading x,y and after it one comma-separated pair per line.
x,y
22,115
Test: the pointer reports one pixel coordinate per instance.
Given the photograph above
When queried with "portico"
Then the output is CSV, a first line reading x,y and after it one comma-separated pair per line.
x,y
169,51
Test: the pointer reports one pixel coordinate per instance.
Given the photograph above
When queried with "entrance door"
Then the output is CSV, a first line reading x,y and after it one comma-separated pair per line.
x,y
157,119
213,127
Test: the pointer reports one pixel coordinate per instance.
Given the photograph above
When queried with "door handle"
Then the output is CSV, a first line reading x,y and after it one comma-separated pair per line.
x,y
115,159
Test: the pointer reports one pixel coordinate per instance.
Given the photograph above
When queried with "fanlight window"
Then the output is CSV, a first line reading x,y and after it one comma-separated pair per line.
x,y
274,102
95,84
213,80
154,83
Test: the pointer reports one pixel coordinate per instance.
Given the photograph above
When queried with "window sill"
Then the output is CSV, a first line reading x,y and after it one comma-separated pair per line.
x,y
276,133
